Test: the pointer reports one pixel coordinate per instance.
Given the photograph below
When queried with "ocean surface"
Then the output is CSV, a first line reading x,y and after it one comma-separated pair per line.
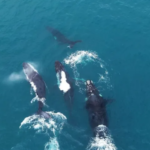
x,y
114,53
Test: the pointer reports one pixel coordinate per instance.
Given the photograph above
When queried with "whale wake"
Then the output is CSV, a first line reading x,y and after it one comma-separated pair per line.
x,y
51,127
82,57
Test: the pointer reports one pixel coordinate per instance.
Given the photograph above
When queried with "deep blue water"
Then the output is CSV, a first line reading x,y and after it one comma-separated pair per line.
x,y
117,31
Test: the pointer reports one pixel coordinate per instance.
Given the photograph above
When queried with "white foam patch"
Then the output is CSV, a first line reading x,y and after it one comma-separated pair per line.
x,y
102,143
52,145
37,123
33,86
64,86
41,124
77,57
84,57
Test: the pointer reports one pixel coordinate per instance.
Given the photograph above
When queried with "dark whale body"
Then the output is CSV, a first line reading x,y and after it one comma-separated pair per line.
x,y
38,86
61,38
96,108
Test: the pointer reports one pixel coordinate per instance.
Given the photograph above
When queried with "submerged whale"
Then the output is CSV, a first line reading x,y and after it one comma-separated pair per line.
x,y
61,38
64,82
96,108
38,86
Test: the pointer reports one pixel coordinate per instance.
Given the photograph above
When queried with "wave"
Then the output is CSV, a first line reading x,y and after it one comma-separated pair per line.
x,y
85,57
105,143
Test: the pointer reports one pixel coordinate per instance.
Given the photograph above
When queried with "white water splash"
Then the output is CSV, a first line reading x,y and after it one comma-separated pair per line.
x,y
84,57
37,123
105,143
50,127
79,56
41,124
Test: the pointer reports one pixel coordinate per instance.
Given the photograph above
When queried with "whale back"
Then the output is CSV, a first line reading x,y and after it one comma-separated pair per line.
x,y
35,80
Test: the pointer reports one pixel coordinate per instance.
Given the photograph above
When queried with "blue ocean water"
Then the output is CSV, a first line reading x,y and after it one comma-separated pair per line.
x,y
114,53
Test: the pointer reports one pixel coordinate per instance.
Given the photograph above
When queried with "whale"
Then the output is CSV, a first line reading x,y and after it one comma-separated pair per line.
x,y
64,83
38,86
96,108
61,38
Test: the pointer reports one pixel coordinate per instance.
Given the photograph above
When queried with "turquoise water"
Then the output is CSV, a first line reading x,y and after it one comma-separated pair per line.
x,y
116,31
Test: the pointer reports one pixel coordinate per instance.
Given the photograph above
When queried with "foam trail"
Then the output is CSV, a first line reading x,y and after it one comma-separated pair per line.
x,y
84,57
99,143
52,145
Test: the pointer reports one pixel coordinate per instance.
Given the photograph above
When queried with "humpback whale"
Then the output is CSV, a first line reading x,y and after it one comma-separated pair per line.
x,y
64,82
38,86
61,38
96,108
